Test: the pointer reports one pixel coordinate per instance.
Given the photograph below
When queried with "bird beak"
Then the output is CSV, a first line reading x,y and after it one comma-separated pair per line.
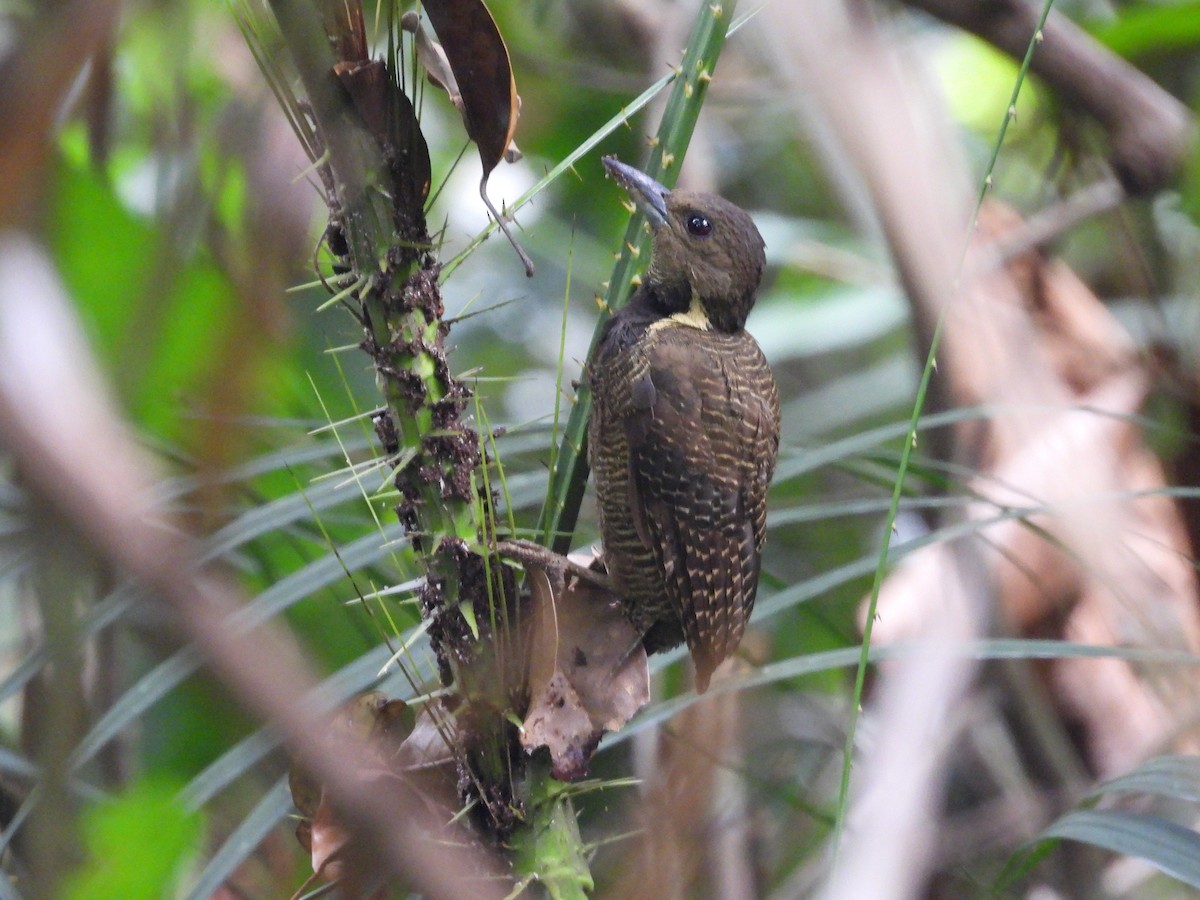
x,y
648,194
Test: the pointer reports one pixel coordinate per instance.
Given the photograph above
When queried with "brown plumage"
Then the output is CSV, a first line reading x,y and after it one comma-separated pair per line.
x,y
685,427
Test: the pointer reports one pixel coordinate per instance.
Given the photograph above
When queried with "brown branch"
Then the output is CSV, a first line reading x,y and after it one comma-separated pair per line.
x,y
1051,224
52,404
37,77
1150,131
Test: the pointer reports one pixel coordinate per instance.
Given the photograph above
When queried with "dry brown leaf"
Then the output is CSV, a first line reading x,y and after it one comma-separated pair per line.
x,y
346,28
381,722
327,839
389,116
483,75
432,58
479,60
587,672
426,747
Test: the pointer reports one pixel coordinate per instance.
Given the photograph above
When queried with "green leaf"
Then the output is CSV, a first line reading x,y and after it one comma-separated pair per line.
x,y
138,845
1168,847
154,317
1152,29
360,675
1177,777
812,663
286,592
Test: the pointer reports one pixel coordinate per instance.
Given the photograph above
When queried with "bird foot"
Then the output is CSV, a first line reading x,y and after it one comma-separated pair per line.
x,y
528,553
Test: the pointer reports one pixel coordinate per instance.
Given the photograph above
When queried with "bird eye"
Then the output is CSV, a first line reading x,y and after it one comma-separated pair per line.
x,y
699,225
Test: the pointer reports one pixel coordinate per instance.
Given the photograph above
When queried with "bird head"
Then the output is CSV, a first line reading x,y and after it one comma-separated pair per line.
x,y
707,254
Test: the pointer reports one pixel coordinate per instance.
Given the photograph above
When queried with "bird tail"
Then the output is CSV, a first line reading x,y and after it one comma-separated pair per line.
x,y
721,605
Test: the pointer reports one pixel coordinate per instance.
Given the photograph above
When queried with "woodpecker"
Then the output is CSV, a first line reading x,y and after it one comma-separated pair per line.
x,y
684,428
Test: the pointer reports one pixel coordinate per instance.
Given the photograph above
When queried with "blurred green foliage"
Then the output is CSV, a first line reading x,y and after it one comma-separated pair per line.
x,y
158,245
138,846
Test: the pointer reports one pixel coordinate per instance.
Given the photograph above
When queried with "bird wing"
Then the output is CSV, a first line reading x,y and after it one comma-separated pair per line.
x,y
703,433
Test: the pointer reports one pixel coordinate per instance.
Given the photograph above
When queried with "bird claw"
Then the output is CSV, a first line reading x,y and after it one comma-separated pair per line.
x,y
529,553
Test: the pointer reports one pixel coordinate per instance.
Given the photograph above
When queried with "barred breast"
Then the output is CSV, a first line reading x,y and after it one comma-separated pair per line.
x,y
682,443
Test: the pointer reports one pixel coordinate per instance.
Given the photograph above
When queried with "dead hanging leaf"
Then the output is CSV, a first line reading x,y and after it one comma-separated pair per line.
x,y
587,672
384,109
482,73
432,58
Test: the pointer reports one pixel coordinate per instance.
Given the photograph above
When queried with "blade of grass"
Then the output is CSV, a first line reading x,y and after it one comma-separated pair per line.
x,y
1168,847
545,525
846,657
860,675
1175,776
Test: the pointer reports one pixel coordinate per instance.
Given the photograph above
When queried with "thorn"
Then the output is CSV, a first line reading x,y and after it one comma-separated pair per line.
x,y
668,160
688,90
704,77
1038,36
652,141
635,281
716,9
630,206
605,285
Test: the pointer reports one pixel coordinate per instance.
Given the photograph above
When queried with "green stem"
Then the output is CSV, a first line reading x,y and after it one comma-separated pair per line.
x,y
910,441
569,477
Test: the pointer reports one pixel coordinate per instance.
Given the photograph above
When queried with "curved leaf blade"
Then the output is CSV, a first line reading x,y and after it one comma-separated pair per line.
x,y
250,832
1174,776
1168,847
